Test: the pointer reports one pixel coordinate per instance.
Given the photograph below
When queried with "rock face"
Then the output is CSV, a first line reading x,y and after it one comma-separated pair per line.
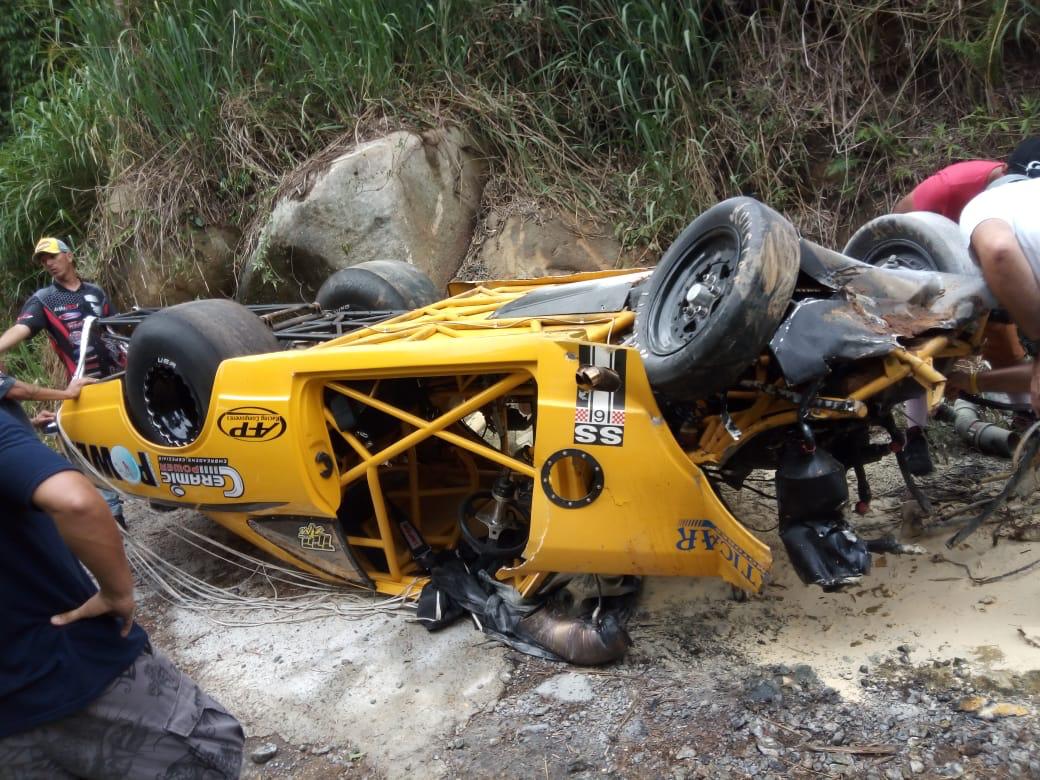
x,y
149,277
206,273
402,197
530,248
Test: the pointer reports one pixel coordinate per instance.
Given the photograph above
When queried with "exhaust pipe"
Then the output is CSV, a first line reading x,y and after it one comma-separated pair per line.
x,y
988,438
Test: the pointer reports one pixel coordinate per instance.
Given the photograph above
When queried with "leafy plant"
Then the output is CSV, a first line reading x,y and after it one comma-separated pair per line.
x,y
642,112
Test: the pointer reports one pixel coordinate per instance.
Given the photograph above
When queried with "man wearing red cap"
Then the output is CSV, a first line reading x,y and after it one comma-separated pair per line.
x,y
948,191
1001,227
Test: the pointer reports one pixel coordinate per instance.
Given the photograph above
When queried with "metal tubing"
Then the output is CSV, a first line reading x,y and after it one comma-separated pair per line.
x,y
425,429
988,438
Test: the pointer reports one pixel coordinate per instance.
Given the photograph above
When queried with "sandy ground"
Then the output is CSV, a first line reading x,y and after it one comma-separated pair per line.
x,y
380,696
928,606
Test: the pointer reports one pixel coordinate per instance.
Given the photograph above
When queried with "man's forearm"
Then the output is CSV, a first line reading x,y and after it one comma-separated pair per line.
x,y
1008,274
1012,379
13,336
23,391
88,528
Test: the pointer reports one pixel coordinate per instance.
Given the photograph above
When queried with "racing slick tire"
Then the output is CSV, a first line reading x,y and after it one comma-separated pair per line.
x,y
173,359
378,285
715,298
919,240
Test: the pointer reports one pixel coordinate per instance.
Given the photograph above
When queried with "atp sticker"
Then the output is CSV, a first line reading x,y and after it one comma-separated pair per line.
x,y
251,423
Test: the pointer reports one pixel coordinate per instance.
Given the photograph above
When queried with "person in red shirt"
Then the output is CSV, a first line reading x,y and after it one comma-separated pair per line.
x,y
61,309
948,191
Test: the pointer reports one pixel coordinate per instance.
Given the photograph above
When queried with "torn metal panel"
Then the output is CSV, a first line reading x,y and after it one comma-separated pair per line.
x,y
952,299
589,297
817,333
870,310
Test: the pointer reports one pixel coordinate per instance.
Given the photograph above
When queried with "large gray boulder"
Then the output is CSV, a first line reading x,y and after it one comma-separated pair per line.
x,y
405,197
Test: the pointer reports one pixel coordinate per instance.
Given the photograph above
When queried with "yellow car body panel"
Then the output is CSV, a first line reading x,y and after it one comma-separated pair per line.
x,y
260,453
315,454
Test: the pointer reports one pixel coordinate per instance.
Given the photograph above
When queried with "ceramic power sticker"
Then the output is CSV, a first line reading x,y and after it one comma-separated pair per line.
x,y
182,473
599,416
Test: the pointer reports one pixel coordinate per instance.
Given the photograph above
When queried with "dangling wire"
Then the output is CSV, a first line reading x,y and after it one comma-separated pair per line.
x,y
313,598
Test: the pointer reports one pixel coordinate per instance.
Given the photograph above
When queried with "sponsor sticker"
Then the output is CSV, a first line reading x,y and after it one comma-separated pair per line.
x,y
599,416
183,473
315,537
118,463
125,465
704,536
251,423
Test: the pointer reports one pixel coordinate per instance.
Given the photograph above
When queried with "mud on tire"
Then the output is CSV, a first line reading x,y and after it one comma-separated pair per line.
x,y
716,297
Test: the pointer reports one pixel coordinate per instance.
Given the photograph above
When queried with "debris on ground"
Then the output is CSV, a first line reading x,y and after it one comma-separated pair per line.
x,y
925,669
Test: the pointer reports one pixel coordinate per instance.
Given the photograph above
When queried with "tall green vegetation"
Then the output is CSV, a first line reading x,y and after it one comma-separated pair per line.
x,y
19,42
644,111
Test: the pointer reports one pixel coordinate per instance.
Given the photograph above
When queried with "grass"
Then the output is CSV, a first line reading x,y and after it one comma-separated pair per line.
x,y
639,111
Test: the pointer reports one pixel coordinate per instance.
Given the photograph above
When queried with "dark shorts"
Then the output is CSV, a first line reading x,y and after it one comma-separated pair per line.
x,y
153,721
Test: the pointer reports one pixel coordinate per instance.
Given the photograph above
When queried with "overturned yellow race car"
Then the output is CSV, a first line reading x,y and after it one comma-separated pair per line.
x,y
518,430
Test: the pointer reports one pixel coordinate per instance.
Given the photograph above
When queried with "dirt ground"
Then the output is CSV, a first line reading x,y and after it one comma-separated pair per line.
x,y
918,672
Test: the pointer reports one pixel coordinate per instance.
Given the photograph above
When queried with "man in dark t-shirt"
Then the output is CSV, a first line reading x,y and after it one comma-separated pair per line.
x,y
82,694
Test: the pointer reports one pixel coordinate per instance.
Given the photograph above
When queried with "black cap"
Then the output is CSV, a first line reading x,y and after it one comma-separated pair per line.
x,y
1026,158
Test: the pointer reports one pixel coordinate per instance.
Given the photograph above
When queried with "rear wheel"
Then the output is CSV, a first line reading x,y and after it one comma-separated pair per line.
x,y
716,297
173,359
378,285
918,241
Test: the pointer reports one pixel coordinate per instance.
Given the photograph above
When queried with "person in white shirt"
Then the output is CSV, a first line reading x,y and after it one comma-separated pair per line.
x,y
1001,227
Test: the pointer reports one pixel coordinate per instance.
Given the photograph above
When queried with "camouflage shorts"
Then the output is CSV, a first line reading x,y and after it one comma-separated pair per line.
x,y
153,721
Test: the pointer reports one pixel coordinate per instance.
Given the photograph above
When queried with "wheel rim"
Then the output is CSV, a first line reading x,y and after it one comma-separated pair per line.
x,y
692,291
172,407
901,254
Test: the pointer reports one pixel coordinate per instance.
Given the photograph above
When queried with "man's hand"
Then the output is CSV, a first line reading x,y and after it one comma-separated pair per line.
x,y
78,384
86,525
122,607
42,418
